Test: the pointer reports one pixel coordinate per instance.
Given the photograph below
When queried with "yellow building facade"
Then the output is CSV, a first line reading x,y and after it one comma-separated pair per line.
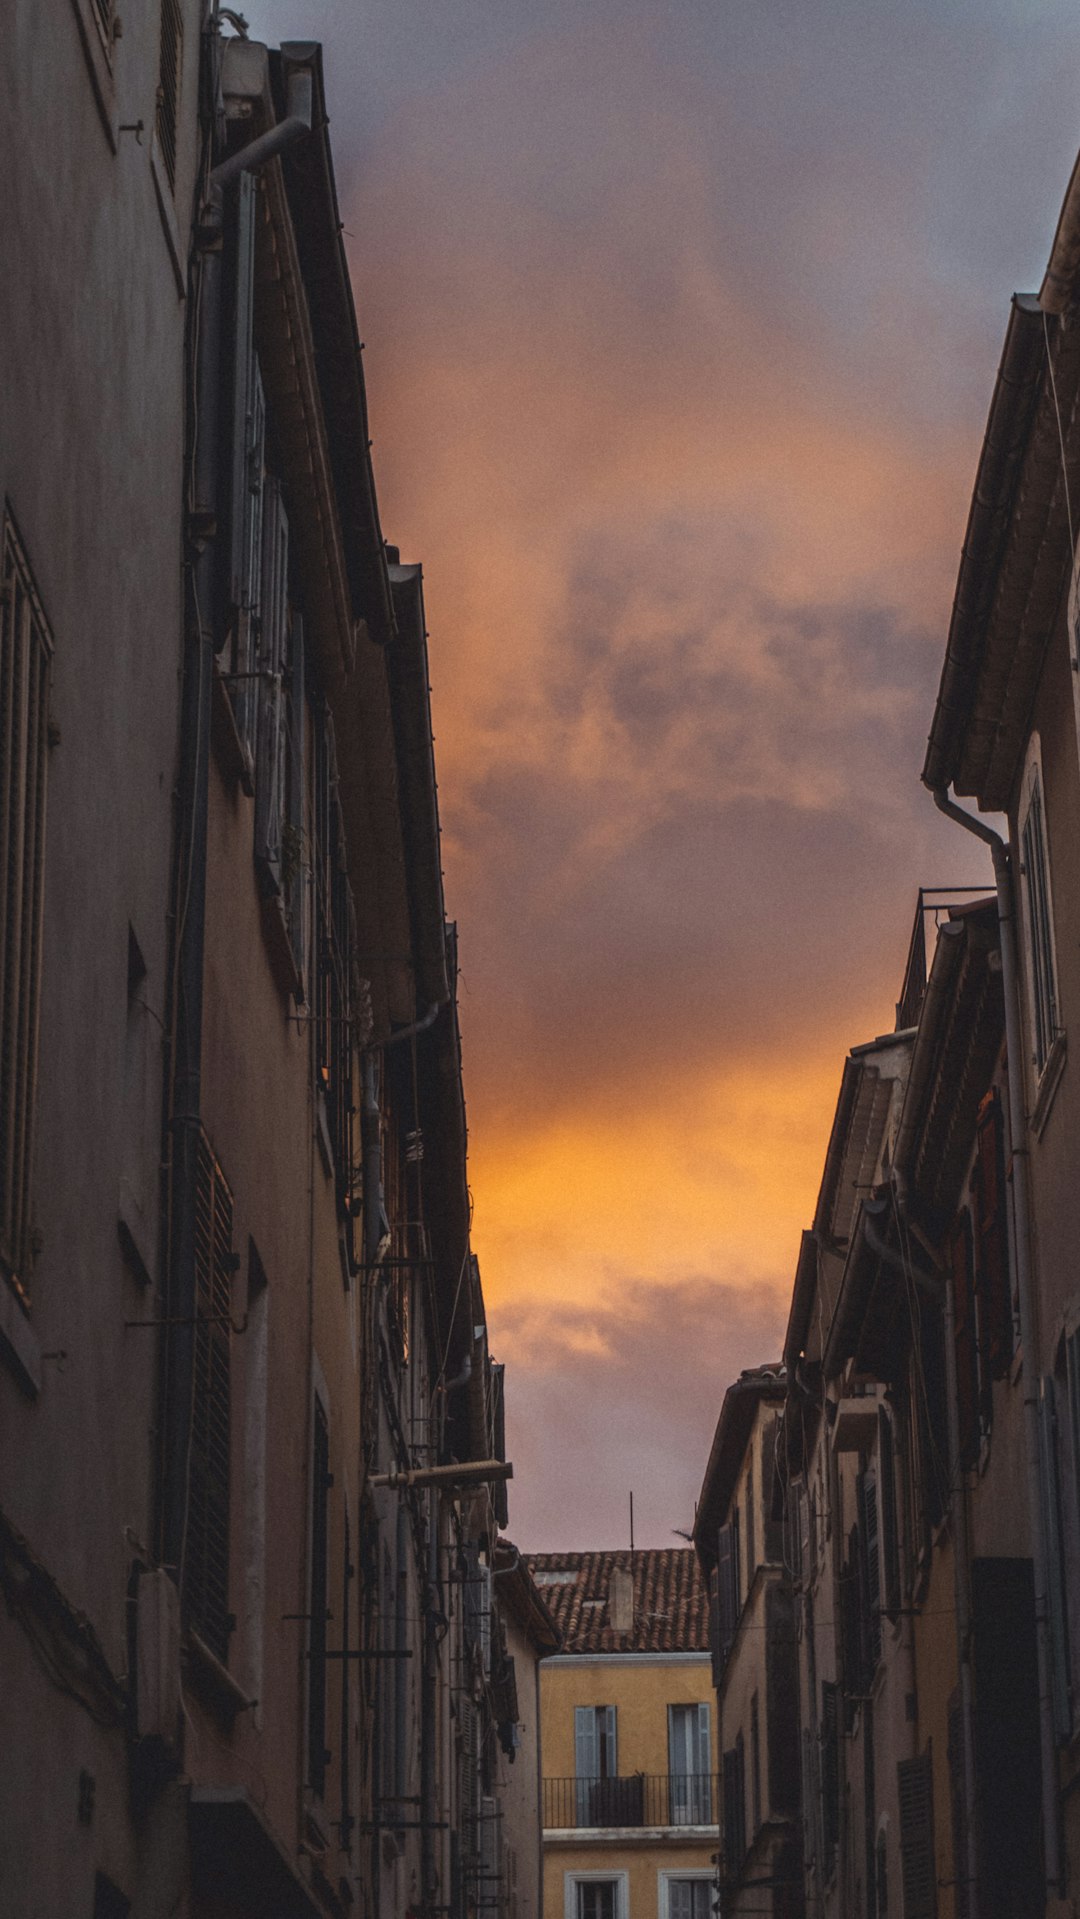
x,y
628,1738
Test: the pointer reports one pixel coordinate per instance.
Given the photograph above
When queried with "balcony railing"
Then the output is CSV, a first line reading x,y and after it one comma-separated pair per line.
x,y
641,1799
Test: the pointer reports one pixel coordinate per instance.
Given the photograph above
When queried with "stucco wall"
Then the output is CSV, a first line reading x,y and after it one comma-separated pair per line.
x,y
641,1690
91,451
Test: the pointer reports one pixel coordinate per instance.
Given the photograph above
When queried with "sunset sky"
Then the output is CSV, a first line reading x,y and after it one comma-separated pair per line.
x,y
681,322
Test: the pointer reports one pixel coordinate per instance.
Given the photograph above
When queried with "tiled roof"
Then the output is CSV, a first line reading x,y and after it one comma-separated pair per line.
x,y
671,1604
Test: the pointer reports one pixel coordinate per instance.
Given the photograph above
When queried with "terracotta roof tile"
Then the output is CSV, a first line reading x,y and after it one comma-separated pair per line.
x,y
671,1603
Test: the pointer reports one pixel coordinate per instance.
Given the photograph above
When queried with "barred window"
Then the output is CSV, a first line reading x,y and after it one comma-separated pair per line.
x,y
206,1545
25,658
168,93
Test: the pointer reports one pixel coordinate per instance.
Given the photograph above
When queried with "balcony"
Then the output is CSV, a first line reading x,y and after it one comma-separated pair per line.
x,y
643,1799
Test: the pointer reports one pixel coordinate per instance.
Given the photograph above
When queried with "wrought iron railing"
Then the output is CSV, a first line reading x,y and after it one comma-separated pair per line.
x,y
641,1799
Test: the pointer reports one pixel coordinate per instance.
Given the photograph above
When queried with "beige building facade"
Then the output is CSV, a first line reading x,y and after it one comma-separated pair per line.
x,y
629,1738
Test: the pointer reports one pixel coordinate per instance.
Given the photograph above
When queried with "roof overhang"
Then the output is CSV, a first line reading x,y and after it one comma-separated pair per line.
x,y
765,1386
1015,565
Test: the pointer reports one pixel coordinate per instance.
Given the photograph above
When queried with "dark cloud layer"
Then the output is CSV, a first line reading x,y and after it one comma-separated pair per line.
x,y
681,324
632,1389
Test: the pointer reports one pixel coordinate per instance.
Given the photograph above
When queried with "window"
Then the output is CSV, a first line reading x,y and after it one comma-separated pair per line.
x,y
734,1779
755,1765
870,1570
918,1867
990,1216
729,1583
25,659
170,59
595,1761
245,437
1038,915
890,1538
751,1547
335,948
690,1765
595,1895
206,1541
686,1895
319,1597
830,1771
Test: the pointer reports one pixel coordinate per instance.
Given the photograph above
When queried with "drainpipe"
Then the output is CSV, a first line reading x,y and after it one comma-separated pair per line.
x,y
299,98
429,1877
193,795
1026,1300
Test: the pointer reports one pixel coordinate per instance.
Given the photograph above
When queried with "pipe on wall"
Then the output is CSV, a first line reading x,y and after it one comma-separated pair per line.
x,y
1010,979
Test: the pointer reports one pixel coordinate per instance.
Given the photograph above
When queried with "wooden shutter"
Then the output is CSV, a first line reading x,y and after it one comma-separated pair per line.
x,y
871,1571
25,659
240,391
993,1273
890,1541
319,1597
170,69
830,1768
1050,1461
751,1529
293,841
727,1588
773,1551
206,1542
958,1804
586,1743
270,763
967,1357
918,1868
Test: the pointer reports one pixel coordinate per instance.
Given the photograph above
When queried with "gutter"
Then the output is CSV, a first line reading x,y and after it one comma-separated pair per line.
x,y
1018,1132
1059,280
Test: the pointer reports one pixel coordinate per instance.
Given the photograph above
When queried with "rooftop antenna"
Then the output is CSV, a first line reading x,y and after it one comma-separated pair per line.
x,y
631,1522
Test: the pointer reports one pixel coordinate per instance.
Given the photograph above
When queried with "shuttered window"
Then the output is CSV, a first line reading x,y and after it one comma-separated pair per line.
x,y
727,1574
244,420
1038,921
734,1788
1050,1460
967,1351
25,660
870,1561
993,1276
321,1483
918,1871
830,1771
335,982
170,62
206,1545
270,759
890,1540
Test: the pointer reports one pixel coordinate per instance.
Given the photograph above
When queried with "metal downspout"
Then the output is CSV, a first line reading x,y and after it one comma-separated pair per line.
x,y
1028,1324
429,1877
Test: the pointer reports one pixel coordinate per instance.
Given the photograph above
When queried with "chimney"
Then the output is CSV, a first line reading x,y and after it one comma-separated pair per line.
x,y
621,1601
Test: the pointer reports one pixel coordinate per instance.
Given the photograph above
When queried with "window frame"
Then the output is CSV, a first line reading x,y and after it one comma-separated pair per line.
x,y
23,846
575,1877
1041,976
701,1875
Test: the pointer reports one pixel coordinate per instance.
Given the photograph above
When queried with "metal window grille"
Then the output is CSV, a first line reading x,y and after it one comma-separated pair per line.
x,y
168,93
206,1545
25,659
